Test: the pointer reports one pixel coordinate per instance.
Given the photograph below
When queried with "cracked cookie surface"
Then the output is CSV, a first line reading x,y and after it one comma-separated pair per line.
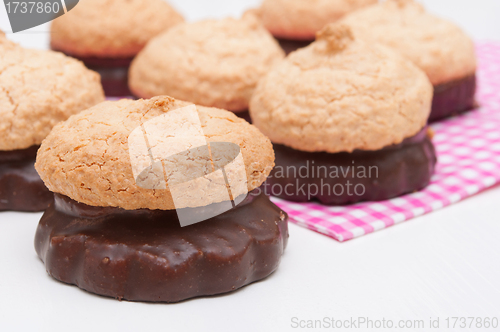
x,y
215,63
87,157
341,94
38,89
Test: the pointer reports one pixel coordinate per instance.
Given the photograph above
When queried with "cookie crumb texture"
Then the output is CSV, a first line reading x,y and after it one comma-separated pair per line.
x,y
301,19
215,63
439,47
146,256
87,157
38,89
111,28
341,94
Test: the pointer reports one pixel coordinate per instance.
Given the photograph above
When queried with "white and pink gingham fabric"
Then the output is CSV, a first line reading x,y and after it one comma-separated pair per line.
x,y
468,148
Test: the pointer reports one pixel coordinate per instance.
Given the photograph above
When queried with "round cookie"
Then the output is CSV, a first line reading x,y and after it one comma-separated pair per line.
x,y
146,256
107,34
341,94
38,89
87,158
439,47
301,19
109,235
215,63
295,22
347,120
111,28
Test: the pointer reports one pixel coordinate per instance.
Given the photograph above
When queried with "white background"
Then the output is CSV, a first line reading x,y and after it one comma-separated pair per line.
x,y
440,265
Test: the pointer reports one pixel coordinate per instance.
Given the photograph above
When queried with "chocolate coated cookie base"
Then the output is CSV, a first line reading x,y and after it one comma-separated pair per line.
x,y
145,255
289,45
453,98
21,188
346,178
244,115
113,71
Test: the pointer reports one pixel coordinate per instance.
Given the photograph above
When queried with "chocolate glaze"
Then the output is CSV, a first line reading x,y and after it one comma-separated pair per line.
x,y
400,169
244,115
289,45
113,71
145,255
453,98
21,188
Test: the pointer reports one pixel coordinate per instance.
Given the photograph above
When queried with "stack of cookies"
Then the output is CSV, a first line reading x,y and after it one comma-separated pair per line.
x,y
162,200
38,89
127,176
107,34
348,120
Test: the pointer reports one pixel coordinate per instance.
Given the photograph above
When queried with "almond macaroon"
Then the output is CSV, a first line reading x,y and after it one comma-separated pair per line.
x,y
38,89
437,46
107,34
348,120
214,63
158,200
295,22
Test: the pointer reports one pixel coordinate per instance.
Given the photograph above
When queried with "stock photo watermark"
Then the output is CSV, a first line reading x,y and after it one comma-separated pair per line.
x,y
24,15
363,322
311,180
171,152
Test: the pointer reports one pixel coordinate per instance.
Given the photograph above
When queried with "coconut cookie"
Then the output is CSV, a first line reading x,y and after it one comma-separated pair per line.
x,y
107,34
439,47
295,22
215,63
38,89
352,114
157,200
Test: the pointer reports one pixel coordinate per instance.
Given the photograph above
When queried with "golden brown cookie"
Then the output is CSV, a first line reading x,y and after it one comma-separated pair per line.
x,y
215,63
38,89
111,28
439,47
301,19
341,94
88,158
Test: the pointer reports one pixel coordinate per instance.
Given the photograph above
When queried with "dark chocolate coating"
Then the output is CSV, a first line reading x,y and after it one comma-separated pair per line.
x,y
244,115
453,98
145,255
395,170
21,188
289,45
113,71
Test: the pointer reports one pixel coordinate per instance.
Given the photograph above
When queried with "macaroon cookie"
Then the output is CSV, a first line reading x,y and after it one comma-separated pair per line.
x,y
107,34
439,47
348,121
38,89
158,200
295,22
214,63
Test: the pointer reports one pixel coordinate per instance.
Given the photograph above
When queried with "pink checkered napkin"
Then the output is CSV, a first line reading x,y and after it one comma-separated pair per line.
x,y
468,148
